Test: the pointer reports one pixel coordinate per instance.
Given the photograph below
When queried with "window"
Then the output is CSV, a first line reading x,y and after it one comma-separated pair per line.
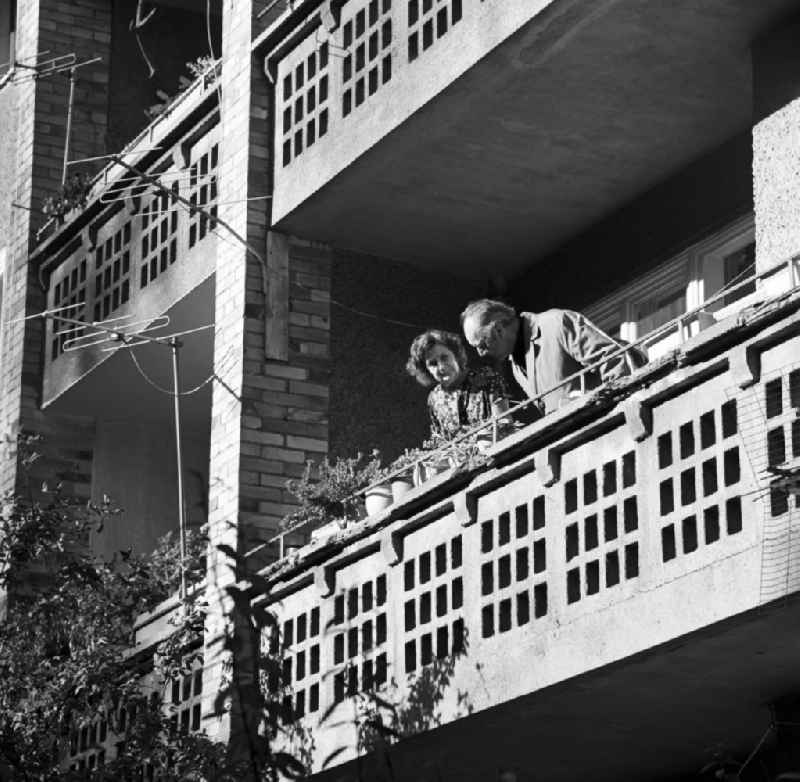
x,y
738,265
660,310
679,285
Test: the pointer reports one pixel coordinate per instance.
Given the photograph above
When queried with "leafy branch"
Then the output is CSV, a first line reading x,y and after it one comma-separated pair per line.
x,y
73,194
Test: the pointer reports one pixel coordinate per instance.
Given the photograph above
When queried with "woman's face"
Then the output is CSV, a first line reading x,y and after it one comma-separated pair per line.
x,y
443,365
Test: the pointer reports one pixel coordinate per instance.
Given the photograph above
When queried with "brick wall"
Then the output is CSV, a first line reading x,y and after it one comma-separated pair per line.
x,y
16,285
82,28
8,145
285,421
239,306
280,419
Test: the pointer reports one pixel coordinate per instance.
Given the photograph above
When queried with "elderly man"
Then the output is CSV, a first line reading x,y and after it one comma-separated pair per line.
x,y
545,348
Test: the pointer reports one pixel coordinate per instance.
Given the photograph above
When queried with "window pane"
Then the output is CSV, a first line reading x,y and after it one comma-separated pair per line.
x,y
738,266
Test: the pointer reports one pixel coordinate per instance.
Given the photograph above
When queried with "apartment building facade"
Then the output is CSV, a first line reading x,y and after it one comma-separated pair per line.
x,y
613,596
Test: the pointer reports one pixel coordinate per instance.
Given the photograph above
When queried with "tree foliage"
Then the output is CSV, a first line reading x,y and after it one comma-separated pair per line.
x,y
68,661
65,641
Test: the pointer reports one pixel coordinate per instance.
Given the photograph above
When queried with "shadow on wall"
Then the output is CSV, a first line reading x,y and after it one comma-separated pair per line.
x,y
381,719
373,402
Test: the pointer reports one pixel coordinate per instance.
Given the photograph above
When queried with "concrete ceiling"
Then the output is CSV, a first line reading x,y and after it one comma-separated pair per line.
x,y
559,126
114,390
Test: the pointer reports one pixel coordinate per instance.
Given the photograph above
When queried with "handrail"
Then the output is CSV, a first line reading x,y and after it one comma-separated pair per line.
x,y
107,177
580,375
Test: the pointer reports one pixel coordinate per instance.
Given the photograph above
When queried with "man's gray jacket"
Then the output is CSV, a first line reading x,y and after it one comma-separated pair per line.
x,y
553,345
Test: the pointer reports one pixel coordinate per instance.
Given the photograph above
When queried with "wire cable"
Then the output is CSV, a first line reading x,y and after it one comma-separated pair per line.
x,y
160,388
169,392
213,56
758,746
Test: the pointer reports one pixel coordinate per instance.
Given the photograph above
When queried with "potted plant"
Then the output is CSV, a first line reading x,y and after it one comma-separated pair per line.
x,y
329,492
465,452
378,497
405,471
398,479
73,194
437,459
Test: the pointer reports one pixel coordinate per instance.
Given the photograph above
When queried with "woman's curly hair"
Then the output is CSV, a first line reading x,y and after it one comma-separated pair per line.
x,y
415,366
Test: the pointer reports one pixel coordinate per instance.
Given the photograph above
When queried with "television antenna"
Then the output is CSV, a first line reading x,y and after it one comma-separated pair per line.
x,y
63,63
124,333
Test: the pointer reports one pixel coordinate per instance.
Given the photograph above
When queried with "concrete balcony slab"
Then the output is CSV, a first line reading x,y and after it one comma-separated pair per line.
x,y
499,129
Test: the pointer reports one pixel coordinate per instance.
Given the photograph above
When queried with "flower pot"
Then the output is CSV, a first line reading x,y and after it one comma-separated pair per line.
x,y
429,470
499,408
484,441
377,498
401,485
326,530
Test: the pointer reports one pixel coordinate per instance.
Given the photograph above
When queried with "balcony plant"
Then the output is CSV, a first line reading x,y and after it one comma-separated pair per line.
x,y
401,471
328,492
202,67
465,451
394,481
73,194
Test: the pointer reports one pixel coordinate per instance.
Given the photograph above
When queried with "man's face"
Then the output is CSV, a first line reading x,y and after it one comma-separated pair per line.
x,y
492,338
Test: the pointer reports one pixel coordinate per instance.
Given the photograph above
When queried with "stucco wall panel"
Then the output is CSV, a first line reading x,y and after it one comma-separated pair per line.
x,y
776,185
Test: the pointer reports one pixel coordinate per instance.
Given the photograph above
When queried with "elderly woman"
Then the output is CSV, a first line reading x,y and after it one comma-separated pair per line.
x,y
460,396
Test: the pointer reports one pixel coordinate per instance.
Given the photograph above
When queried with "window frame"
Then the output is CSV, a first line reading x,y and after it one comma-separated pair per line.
x,y
696,272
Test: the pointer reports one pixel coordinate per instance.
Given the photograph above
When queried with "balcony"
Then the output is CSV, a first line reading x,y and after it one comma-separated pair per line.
x,y
477,135
138,251
623,575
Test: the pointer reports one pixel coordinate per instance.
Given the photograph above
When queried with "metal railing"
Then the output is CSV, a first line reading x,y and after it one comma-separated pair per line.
x,y
678,324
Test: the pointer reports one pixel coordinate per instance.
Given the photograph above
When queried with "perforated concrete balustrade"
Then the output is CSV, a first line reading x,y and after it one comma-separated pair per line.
x,y
345,79
92,744
328,77
584,544
143,253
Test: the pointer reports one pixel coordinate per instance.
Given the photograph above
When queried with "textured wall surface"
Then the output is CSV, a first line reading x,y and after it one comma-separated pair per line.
x,y
374,403
8,136
776,185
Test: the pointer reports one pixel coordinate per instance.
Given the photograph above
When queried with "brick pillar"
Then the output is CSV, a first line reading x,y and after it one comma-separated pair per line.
x,y
776,147
286,421
19,101
271,348
39,112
